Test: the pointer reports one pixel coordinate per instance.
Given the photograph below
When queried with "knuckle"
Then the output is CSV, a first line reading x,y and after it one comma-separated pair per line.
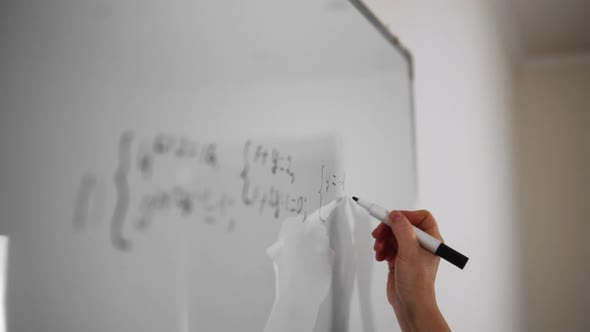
x,y
426,214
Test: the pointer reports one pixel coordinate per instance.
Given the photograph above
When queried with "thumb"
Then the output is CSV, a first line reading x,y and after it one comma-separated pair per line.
x,y
404,234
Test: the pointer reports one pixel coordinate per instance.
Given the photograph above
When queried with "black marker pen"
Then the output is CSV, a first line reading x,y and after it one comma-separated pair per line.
x,y
428,242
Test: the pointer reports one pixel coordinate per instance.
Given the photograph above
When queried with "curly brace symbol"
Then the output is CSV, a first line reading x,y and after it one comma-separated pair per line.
x,y
122,187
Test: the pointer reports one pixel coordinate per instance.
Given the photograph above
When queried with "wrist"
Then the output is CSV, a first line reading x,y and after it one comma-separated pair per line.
x,y
426,316
422,311
421,304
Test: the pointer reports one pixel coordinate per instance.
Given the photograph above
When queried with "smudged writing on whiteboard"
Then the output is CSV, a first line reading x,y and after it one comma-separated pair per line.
x,y
174,146
175,176
186,202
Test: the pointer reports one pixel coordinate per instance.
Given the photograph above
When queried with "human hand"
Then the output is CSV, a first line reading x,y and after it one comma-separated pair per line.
x,y
412,270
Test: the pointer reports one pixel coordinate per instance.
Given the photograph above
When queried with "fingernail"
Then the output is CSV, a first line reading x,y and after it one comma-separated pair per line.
x,y
396,216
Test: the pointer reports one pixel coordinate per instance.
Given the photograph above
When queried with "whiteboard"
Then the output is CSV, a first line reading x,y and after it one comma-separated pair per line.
x,y
127,128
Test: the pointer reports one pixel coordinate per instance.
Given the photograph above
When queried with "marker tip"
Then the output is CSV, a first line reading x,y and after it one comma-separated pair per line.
x,y
355,198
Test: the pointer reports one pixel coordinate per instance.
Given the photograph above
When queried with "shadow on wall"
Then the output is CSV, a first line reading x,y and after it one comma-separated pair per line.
x,y
552,131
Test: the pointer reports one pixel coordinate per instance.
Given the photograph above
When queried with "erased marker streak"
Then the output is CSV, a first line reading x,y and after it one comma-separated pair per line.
x,y
122,187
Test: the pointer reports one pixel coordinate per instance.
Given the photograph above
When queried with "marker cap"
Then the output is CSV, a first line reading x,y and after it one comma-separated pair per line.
x,y
451,255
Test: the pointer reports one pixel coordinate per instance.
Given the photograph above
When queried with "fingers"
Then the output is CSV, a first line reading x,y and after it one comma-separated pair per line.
x,y
423,220
390,240
382,232
419,218
385,249
385,243
379,248
404,234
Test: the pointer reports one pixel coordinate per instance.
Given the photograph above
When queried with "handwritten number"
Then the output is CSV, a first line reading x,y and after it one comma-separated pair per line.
x,y
289,172
274,201
275,161
300,202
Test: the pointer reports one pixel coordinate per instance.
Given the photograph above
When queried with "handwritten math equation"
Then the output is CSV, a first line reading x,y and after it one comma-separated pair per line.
x,y
278,164
176,147
274,163
186,200
267,182
187,203
330,182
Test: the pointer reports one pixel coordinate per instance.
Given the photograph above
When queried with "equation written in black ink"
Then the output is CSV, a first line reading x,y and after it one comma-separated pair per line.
x,y
273,162
330,182
272,159
278,201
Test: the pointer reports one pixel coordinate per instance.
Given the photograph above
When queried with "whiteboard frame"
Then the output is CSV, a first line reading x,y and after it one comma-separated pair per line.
x,y
405,52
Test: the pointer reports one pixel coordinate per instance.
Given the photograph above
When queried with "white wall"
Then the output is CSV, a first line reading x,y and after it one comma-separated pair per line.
x,y
553,126
463,115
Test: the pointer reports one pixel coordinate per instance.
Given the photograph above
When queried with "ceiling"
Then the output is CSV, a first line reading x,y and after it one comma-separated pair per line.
x,y
551,27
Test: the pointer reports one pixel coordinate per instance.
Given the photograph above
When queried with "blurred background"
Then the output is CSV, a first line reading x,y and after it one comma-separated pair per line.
x,y
503,130
502,110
